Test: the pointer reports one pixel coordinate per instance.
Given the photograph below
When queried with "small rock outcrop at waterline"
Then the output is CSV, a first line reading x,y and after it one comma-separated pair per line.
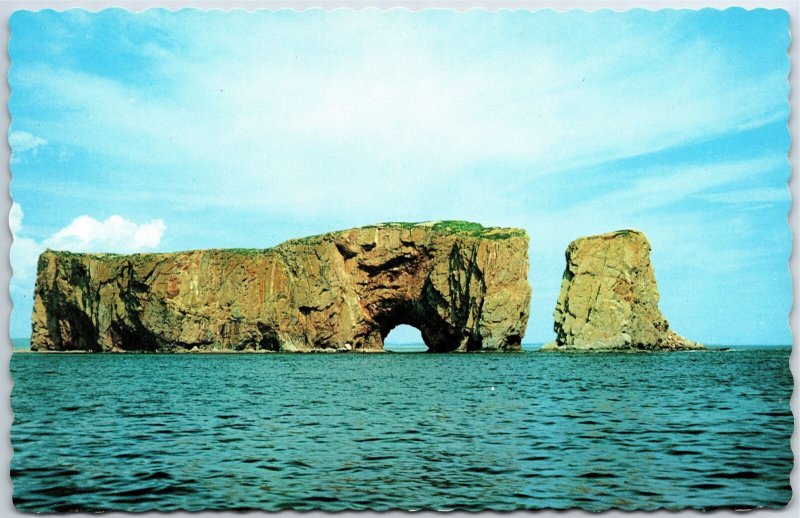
x,y
463,286
609,298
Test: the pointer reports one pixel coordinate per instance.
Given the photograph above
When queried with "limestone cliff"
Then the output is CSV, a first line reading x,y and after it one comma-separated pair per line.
x,y
609,298
462,285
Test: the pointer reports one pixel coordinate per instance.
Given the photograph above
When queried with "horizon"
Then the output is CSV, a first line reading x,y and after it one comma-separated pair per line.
x,y
161,131
420,344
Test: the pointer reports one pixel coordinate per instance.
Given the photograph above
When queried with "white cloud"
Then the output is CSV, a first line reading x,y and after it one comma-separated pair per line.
x,y
115,234
24,256
15,218
83,234
24,251
22,141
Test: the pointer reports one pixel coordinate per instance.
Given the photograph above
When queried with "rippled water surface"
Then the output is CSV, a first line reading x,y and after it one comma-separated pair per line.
x,y
408,431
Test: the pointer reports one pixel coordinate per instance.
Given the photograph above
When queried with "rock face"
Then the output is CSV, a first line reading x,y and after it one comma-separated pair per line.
x,y
462,285
609,298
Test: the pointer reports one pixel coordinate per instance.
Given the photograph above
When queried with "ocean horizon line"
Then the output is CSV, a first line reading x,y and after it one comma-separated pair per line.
x,y
23,343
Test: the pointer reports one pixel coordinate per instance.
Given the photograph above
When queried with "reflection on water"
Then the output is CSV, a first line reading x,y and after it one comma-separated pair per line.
x,y
407,431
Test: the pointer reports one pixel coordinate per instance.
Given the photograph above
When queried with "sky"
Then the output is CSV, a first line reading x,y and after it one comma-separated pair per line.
x,y
165,131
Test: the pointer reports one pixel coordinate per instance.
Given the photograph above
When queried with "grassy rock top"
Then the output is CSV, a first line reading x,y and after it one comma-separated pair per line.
x,y
447,227
453,227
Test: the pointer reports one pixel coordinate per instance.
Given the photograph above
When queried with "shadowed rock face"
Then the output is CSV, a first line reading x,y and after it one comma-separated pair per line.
x,y
609,298
463,286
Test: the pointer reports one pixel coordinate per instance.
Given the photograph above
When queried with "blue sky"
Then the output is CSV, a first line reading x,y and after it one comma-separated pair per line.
x,y
165,131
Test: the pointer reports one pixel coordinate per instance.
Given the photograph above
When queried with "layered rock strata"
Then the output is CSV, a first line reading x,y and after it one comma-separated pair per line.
x,y
462,285
609,298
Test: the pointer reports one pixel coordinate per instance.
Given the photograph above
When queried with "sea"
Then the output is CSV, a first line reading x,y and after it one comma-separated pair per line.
x,y
402,430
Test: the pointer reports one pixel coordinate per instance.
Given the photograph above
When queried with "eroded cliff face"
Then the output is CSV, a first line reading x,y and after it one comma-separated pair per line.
x,y
609,298
463,286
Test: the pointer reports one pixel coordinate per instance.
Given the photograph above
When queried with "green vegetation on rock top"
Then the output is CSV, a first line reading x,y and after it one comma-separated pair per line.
x,y
439,227
244,251
463,227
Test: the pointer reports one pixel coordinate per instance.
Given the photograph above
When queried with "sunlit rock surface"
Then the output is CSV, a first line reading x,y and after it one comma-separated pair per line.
x,y
609,298
462,285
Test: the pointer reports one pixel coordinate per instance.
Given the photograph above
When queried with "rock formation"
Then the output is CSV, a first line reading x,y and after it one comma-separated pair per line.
x,y
609,298
462,285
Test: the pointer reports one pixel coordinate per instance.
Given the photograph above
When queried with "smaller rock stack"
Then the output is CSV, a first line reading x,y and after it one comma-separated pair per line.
x,y
609,298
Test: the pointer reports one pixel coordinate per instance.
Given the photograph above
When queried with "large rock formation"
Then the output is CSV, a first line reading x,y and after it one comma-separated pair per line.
x,y
609,298
463,286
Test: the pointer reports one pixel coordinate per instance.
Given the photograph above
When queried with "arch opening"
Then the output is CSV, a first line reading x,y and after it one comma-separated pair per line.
x,y
404,338
437,334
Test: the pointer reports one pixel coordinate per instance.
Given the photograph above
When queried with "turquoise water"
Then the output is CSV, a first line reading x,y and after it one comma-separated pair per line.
x,y
21,344
408,431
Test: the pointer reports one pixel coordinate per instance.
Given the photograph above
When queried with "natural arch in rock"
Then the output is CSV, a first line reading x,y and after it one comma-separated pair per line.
x,y
462,285
435,338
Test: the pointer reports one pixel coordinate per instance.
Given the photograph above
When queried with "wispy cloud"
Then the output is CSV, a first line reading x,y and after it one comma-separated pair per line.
x,y
665,185
298,128
23,143
750,196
